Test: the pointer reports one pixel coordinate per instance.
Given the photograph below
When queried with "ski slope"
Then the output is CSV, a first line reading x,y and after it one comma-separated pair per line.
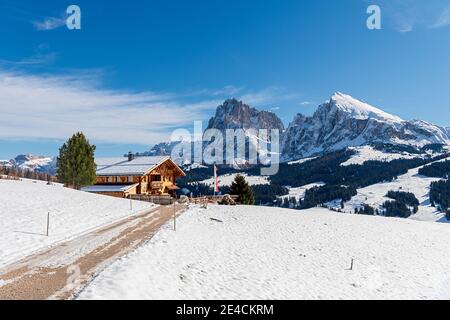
x,y
25,205
271,253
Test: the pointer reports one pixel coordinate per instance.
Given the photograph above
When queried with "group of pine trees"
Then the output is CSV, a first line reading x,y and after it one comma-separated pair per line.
x,y
366,210
440,195
287,202
402,205
439,190
406,197
396,209
436,170
320,195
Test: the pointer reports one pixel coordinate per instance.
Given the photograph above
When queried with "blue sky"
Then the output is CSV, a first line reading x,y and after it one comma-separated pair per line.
x,y
138,69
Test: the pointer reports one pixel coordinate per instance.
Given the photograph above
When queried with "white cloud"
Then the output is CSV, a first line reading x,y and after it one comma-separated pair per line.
x,y
55,106
405,26
38,59
50,23
34,60
408,15
443,20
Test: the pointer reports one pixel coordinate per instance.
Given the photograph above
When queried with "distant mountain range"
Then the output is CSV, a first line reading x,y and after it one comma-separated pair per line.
x,y
31,163
344,121
341,122
232,114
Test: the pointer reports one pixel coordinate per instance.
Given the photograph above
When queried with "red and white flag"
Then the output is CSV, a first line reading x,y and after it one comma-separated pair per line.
x,y
216,180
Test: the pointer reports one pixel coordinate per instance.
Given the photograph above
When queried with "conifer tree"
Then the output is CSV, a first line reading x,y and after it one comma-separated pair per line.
x,y
75,164
242,189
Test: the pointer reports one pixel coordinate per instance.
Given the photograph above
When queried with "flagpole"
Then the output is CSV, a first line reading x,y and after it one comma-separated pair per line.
x,y
215,180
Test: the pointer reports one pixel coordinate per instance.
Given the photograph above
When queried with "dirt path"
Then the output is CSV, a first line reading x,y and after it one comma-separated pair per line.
x,y
63,270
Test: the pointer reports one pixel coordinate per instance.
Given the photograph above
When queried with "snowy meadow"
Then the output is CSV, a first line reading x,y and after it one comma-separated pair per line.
x,y
267,253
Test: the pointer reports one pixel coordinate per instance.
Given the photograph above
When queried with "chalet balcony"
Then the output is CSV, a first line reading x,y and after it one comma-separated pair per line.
x,y
156,185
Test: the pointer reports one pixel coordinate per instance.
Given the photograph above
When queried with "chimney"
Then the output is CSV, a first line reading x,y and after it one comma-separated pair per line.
x,y
130,156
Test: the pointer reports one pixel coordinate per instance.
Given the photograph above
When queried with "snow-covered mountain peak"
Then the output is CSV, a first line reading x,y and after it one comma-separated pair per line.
x,y
340,122
344,121
31,163
234,114
359,109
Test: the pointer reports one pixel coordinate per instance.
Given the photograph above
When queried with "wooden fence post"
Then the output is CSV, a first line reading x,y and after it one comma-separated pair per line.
x,y
351,265
48,222
174,217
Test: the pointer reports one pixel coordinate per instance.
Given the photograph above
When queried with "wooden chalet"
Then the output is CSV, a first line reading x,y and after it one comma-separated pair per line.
x,y
129,176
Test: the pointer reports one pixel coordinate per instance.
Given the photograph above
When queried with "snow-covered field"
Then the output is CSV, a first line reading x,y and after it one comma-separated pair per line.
x,y
368,153
299,192
227,180
24,208
267,253
374,195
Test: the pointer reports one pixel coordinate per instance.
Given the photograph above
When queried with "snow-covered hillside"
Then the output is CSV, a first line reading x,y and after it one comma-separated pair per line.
x,y
368,153
24,208
31,163
266,253
375,195
299,192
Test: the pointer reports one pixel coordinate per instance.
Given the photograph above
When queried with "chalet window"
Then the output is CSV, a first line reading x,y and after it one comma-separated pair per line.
x,y
156,177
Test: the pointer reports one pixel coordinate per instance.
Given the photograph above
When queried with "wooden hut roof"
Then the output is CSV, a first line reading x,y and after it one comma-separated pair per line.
x,y
138,166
